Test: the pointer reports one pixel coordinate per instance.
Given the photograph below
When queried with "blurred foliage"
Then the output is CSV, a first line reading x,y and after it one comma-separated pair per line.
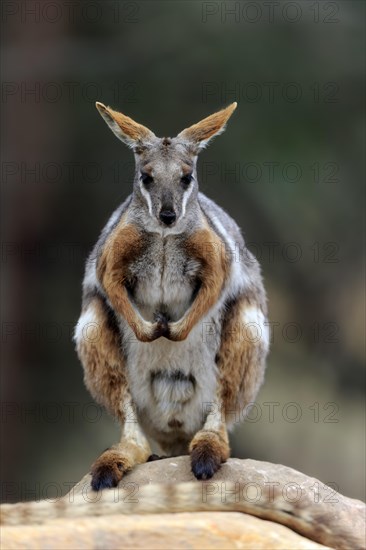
x,y
169,64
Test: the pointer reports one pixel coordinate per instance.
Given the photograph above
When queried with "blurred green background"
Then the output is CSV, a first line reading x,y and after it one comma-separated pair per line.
x,y
289,169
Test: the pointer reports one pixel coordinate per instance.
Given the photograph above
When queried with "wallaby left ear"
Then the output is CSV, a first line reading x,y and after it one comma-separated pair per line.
x,y
127,130
201,133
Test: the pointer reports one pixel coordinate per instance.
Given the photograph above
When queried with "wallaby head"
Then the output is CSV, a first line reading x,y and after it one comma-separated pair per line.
x,y
165,184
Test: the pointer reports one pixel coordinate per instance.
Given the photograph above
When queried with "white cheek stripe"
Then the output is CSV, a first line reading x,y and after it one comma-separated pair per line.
x,y
186,196
147,198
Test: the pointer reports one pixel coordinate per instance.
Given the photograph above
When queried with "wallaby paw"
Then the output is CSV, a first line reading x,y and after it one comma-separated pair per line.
x,y
177,332
204,466
108,470
161,325
208,450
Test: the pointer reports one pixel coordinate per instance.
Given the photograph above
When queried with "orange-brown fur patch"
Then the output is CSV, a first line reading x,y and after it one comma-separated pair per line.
x,y
239,360
111,466
208,249
218,440
209,126
100,352
122,247
186,169
129,127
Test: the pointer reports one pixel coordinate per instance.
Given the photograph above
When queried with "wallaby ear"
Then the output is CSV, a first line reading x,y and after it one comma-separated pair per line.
x,y
201,133
126,129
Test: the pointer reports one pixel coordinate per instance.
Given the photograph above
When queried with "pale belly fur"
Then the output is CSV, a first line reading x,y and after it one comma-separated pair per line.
x,y
172,383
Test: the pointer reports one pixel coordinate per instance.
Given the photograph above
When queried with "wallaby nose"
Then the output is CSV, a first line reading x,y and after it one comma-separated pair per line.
x,y
167,216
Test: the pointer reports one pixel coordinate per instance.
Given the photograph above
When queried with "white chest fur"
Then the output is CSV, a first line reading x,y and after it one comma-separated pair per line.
x,y
164,279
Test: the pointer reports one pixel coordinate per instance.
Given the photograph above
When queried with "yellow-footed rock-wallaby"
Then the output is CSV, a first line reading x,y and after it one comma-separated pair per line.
x,y
173,334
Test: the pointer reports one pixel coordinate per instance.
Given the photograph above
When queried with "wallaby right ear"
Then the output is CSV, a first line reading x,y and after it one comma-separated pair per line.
x,y
126,129
201,133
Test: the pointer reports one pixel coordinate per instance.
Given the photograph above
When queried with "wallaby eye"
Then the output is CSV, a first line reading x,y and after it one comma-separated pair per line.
x,y
186,180
146,179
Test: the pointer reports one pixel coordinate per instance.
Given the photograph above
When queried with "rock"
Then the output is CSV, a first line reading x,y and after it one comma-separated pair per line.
x,y
302,503
201,530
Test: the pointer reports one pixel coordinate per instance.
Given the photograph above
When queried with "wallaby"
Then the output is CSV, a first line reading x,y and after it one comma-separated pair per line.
x,y
173,334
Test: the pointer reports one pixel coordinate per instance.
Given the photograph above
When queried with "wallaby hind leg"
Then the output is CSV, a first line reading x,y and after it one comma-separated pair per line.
x,y
99,349
133,449
241,363
241,357
210,446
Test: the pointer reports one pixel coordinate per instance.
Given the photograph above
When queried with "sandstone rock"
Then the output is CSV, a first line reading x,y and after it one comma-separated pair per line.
x,y
302,503
201,530
342,513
